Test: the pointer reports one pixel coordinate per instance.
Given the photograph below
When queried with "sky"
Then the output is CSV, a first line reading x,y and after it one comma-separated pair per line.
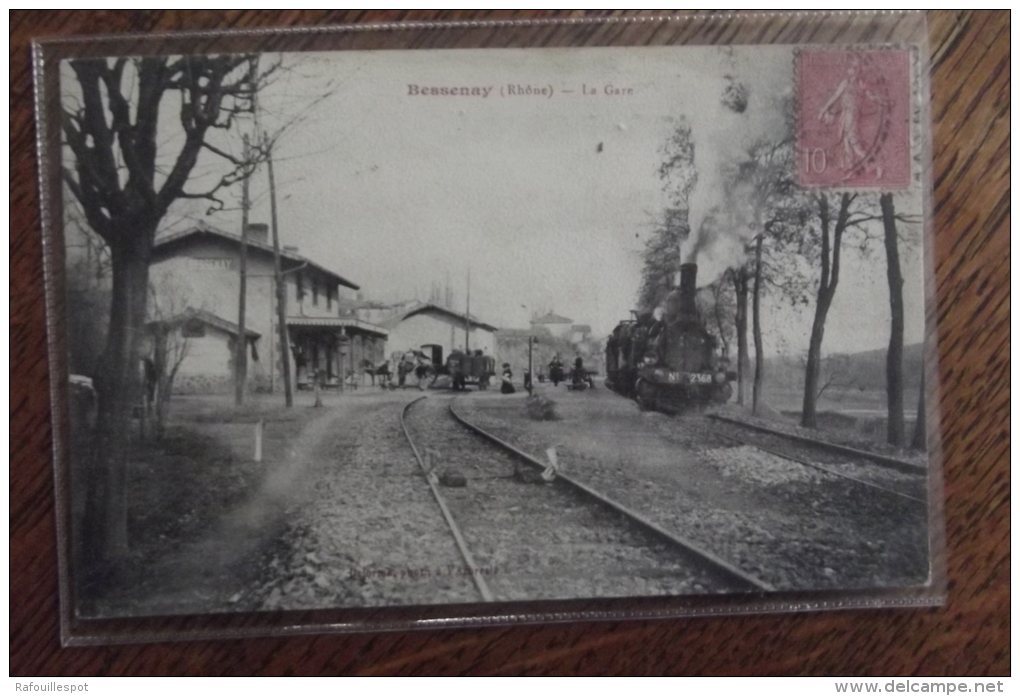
x,y
546,198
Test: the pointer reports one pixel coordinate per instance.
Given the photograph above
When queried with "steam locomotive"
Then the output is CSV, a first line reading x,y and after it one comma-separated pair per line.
x,y
669,364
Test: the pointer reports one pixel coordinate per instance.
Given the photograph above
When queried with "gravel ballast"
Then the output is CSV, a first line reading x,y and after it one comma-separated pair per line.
x,y
372,534
792,526
544,540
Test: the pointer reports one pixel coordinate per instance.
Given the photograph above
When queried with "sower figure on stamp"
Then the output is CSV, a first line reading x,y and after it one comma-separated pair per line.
x,y
848,103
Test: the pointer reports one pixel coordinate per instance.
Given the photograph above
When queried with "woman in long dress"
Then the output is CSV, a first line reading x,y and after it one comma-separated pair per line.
x,y
507,386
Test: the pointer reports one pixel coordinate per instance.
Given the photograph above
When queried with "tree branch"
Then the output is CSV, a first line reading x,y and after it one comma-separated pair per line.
x,y
225,155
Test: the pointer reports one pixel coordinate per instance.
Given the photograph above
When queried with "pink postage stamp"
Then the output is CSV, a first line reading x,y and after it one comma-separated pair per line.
x,y
854,118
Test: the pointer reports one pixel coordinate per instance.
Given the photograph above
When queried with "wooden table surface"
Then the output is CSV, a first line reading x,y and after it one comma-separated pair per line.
x,y
970,635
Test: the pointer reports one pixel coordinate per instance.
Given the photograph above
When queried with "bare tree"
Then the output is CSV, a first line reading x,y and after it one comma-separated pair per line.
x,y
833,372
896,431
717,302
661,259
765,199
88,292
661,256
741,278
172,321
894,356
827,239
125,184
677,171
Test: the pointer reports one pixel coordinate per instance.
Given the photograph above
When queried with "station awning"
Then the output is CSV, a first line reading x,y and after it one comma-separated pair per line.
x,y
354,325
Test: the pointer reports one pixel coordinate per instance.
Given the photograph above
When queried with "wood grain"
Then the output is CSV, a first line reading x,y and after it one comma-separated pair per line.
x,y
970,635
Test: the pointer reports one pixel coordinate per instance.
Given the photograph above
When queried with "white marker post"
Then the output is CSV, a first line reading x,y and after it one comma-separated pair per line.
x,y
258,440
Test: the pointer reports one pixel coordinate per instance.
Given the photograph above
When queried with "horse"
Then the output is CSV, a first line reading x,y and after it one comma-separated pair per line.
x,y
382,371
418,365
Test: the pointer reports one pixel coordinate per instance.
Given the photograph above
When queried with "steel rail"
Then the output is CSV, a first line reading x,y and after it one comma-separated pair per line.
x,y
827,470
688,546
469,561
892,462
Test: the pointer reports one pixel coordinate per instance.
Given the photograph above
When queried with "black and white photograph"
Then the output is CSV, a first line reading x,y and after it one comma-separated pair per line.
x,y
357,329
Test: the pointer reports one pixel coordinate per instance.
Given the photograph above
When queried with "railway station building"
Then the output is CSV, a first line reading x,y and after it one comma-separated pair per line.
x,y
195,281
558,326
428,327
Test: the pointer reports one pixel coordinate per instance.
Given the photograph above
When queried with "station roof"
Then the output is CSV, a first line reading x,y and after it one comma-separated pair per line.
x,y
551,318
429,307
206,317
338,322
164,247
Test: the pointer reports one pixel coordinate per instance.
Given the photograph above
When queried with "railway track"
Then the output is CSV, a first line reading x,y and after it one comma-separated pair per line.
x,y
524,538
858,454
878,473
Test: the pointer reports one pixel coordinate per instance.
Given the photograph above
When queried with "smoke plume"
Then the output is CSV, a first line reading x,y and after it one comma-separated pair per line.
x,y
722,216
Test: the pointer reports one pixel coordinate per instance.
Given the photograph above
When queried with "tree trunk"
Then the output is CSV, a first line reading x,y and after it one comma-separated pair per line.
x,y
809,416
920,441
720,320
743,361
826,291
721,329
894,357
159,359
759,350
118,388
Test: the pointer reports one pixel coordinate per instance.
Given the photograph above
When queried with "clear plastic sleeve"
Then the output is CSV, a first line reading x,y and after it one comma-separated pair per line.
x,y
482,204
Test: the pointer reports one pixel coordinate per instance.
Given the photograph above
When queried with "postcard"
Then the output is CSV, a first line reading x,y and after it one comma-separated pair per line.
x,y
399,328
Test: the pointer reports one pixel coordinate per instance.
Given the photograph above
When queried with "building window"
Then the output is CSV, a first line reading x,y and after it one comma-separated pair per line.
x,y
329,298
315,291
299,284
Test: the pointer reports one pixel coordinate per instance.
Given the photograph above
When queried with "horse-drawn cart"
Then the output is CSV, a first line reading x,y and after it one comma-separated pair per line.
x,y
476,370
415,368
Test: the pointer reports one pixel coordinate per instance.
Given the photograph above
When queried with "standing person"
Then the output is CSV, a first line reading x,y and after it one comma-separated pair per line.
x,y
556,370
578,370
402,369
507,386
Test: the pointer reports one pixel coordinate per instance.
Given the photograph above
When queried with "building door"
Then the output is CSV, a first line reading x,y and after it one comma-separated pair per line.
x,y
434,351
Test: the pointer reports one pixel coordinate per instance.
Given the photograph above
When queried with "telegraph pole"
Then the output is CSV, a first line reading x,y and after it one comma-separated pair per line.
x,y
531,365
281,290
241,353
467,317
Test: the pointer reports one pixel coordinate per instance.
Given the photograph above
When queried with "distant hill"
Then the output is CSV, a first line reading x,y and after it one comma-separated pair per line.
x,y
864,370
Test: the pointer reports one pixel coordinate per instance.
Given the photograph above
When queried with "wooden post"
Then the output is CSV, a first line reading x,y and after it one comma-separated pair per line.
x,y
531,368
241,352
343,345
281,294
467,317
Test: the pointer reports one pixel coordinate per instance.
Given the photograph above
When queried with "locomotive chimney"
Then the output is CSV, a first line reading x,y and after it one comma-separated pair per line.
x,y
689,292
681,303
